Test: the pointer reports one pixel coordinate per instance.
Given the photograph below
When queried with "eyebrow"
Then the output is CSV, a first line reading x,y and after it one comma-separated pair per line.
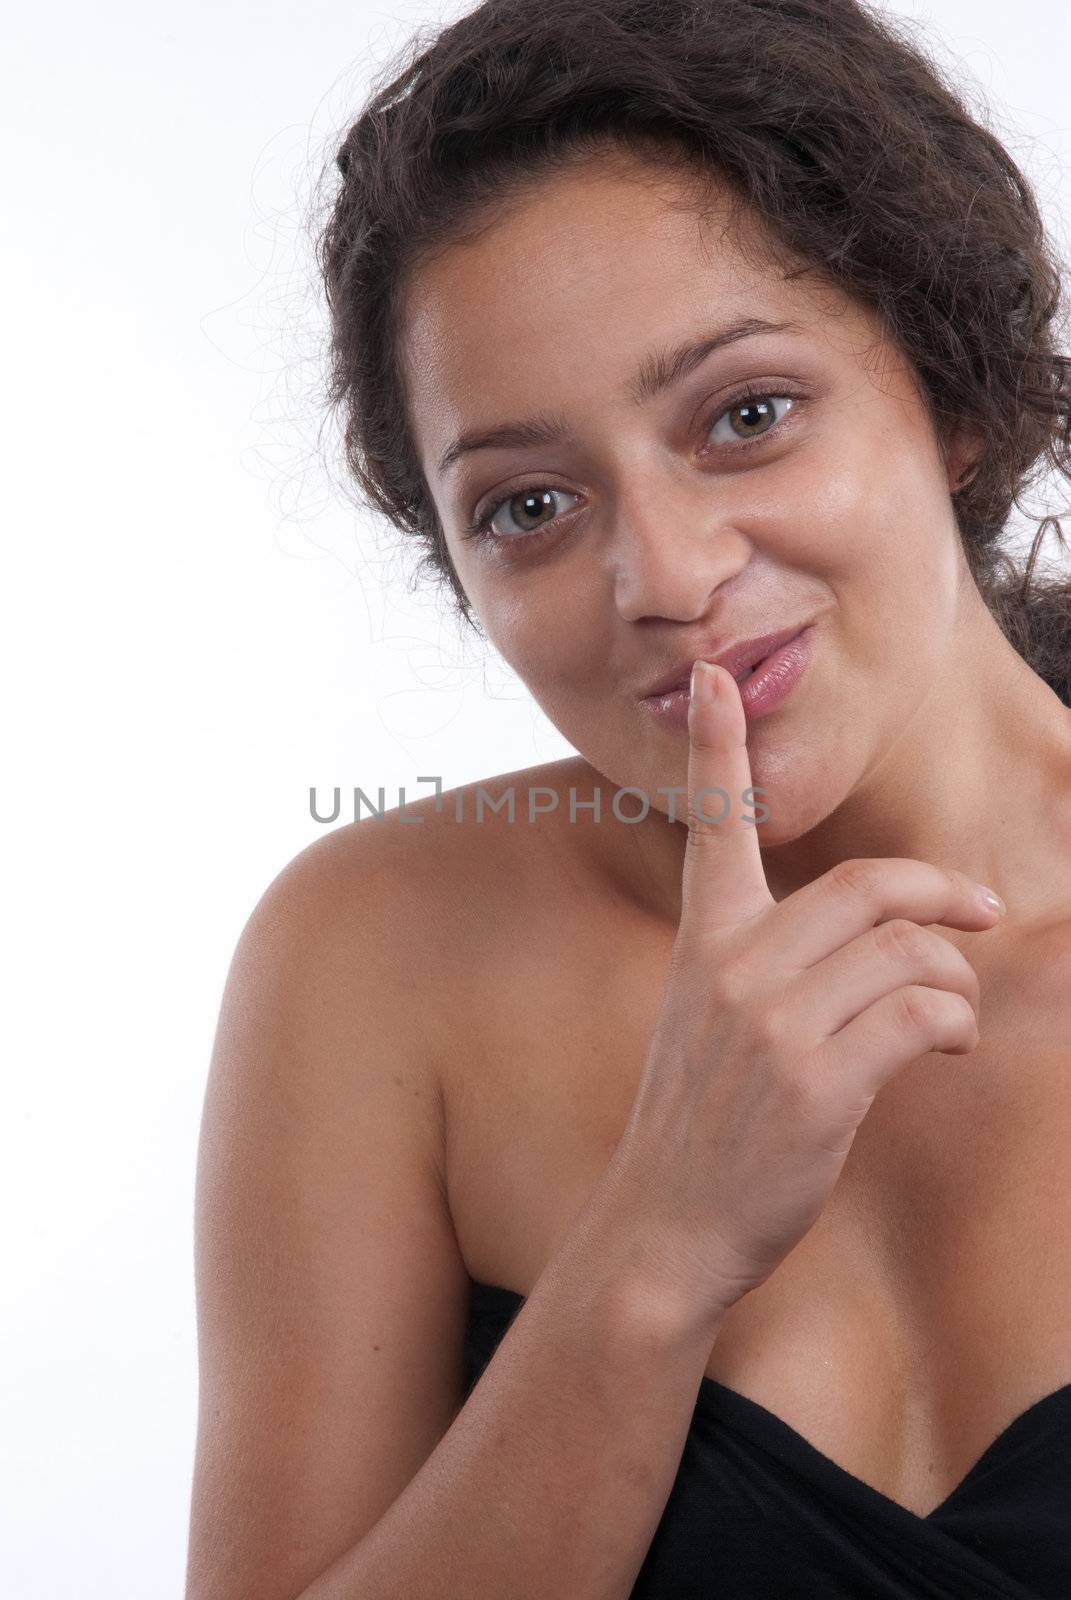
x,y
656,372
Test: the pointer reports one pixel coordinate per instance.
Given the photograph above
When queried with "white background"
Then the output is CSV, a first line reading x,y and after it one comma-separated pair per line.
x,y
196,629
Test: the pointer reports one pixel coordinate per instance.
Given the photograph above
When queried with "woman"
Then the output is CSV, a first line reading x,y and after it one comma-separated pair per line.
x,y
674,332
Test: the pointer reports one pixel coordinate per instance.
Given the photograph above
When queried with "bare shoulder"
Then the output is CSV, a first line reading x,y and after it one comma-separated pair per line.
x,y
444,854
331,1288
419,899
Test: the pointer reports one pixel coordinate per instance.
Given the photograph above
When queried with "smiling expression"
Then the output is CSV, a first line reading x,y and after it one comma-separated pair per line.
x,y
642,439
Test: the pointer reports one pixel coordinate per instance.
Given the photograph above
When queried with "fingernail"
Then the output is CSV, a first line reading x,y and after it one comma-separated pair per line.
x,y
993,901
702,685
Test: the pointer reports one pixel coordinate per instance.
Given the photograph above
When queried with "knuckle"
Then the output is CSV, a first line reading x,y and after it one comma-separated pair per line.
x,y
904,940
917,1009
953,971
858,876
966,1011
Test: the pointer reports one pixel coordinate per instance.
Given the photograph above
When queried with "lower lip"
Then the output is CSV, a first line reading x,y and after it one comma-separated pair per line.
x,y
769,685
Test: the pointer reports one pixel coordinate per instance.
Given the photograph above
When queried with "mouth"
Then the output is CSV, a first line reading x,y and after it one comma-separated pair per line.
x,y
741,660
766,672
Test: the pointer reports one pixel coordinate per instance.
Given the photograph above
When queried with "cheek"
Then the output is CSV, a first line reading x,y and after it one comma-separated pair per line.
x,y
550,647
830,516
552,625
878,518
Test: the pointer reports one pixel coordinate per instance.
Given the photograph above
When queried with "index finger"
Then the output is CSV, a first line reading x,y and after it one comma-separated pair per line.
x,y
724,882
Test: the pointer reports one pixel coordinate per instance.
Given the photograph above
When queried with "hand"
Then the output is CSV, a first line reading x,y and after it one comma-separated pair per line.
x,y
779,1024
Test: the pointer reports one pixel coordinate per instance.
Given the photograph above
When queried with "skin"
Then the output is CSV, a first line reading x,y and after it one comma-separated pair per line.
x,y
917,729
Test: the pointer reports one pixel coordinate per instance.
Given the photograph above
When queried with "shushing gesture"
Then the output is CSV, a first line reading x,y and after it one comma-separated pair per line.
x,y
780,1022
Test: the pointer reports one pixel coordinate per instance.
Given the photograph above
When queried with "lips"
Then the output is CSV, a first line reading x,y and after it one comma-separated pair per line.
x,y
751,666
762,691
737,659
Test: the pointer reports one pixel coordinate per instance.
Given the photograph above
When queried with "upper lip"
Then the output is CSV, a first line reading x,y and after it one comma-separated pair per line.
x,y
735,658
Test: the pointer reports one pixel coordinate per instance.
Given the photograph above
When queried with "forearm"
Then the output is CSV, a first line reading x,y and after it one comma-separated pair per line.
x,y
552,1479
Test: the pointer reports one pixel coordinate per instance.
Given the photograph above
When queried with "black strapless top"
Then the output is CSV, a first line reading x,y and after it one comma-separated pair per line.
x,y
757,1513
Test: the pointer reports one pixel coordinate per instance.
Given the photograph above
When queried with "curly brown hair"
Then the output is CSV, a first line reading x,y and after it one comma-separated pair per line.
x,y
824,117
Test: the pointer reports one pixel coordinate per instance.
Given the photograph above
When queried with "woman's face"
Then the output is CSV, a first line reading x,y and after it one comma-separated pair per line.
x,y
639,527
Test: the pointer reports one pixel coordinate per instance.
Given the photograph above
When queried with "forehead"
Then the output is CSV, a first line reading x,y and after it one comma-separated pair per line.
x,y
576,276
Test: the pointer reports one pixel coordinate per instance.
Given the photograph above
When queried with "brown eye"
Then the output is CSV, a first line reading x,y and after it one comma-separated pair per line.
x,y
530,511
751,417
530,508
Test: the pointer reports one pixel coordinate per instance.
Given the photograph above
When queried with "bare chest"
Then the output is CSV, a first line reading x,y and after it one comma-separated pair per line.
x,y
928,1307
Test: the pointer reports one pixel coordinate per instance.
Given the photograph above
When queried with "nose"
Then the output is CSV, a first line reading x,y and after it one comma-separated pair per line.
x,y
669,555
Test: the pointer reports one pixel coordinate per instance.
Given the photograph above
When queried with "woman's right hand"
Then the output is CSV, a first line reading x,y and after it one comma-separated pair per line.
x,y
780,1022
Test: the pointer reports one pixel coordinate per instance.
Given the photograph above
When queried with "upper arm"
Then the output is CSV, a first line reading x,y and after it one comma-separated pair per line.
x,y
331,1293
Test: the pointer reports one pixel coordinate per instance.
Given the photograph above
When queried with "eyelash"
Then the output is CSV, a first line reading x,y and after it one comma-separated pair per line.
x,y
480,531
